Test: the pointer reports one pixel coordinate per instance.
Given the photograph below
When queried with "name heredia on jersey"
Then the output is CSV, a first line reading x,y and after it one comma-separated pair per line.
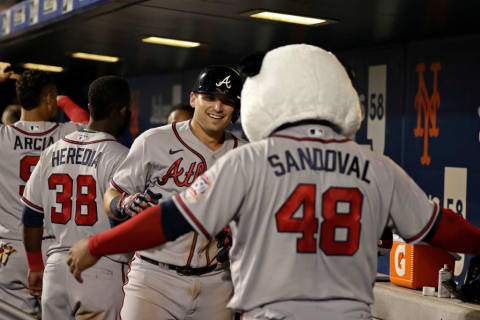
x,y
78,155
319,160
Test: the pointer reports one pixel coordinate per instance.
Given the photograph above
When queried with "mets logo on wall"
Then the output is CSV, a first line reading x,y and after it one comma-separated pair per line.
x,y
427,105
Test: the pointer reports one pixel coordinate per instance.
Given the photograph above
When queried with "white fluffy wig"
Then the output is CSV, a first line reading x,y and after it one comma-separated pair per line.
x,y
298,82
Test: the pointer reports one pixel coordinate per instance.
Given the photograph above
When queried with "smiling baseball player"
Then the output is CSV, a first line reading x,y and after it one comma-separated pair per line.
x,y
307,205
183,279
64,194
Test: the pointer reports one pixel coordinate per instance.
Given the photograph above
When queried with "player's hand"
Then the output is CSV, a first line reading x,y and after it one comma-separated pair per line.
x,y
80,258
224,243
131,205
6,75
60,98
35,278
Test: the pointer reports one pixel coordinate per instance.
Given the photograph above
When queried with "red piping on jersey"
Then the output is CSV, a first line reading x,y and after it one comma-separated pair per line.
x,y
174,128
208,256
192,217
31,204
311,139
118,188
192,249
37,133
90,142
427,227
235,142
125,281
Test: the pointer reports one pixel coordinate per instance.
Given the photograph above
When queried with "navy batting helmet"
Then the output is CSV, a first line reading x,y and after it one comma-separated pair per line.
x,y
221,80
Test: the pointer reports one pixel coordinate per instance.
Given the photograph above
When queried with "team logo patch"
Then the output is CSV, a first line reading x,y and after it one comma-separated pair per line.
x,y
83,137
225,81
199,187
427,105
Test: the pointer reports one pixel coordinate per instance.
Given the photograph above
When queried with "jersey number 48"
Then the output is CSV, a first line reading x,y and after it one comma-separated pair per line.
x,y
341,211
86,193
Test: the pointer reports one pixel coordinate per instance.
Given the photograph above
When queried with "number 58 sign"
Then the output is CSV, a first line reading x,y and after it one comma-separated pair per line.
x,y
377,106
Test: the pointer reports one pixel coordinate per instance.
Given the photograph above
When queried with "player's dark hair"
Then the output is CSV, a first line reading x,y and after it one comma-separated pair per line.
x,y
106,94
31,87
12,113
182,106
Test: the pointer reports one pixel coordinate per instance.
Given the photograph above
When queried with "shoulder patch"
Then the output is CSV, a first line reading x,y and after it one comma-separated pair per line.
x,y
199,187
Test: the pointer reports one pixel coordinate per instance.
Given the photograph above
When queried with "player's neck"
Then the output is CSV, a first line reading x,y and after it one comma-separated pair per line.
x,y
100,126
37,114
213,140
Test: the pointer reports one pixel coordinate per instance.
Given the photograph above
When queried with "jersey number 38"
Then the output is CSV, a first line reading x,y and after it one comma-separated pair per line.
x,y
341,211
85,188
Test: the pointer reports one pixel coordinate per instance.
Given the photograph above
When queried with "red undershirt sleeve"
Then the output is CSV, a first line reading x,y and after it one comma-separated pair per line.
x,y
143,231
74,112
456,234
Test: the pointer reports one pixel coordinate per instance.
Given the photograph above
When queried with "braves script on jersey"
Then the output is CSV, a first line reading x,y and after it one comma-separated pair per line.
x,y
166,160
309,203
21,145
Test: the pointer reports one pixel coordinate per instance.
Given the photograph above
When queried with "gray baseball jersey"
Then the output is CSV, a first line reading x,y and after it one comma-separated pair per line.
x,y
166,160
67,186
21,144
69,182
306,207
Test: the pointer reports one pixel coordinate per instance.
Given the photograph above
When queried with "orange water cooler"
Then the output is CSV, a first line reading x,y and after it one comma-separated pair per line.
x,y
417,265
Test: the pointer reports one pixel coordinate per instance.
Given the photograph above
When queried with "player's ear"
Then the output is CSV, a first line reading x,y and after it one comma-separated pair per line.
x,y
51,101
193,98
89,106
125,111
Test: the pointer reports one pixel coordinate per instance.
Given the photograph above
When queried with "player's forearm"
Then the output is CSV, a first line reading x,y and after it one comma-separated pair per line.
x,y
456,234
72,110
32,240
141,232
107,199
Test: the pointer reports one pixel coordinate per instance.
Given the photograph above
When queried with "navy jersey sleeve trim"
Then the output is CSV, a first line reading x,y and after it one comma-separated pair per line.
x,y
173,222
32,218
434,228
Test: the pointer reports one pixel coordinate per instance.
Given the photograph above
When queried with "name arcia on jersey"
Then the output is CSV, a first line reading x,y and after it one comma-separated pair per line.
x,y
38,144
319,160
78,155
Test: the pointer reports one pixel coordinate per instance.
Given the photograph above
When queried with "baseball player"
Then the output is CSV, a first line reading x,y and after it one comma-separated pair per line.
x,y
21,144
11,114
180,112
307,205
183,279
65,194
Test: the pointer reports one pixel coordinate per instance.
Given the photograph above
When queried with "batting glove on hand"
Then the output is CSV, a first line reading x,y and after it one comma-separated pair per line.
x,y
224,243
154,197
133,204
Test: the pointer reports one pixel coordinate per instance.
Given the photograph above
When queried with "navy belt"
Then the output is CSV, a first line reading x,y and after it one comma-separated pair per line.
x,y
184,270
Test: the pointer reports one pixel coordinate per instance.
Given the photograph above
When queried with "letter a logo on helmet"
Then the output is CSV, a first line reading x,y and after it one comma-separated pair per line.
x,y
222,80
225,81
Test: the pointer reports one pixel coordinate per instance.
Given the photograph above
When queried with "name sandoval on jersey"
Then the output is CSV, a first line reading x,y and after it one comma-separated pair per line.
x,y
319,160
76,155
38,144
